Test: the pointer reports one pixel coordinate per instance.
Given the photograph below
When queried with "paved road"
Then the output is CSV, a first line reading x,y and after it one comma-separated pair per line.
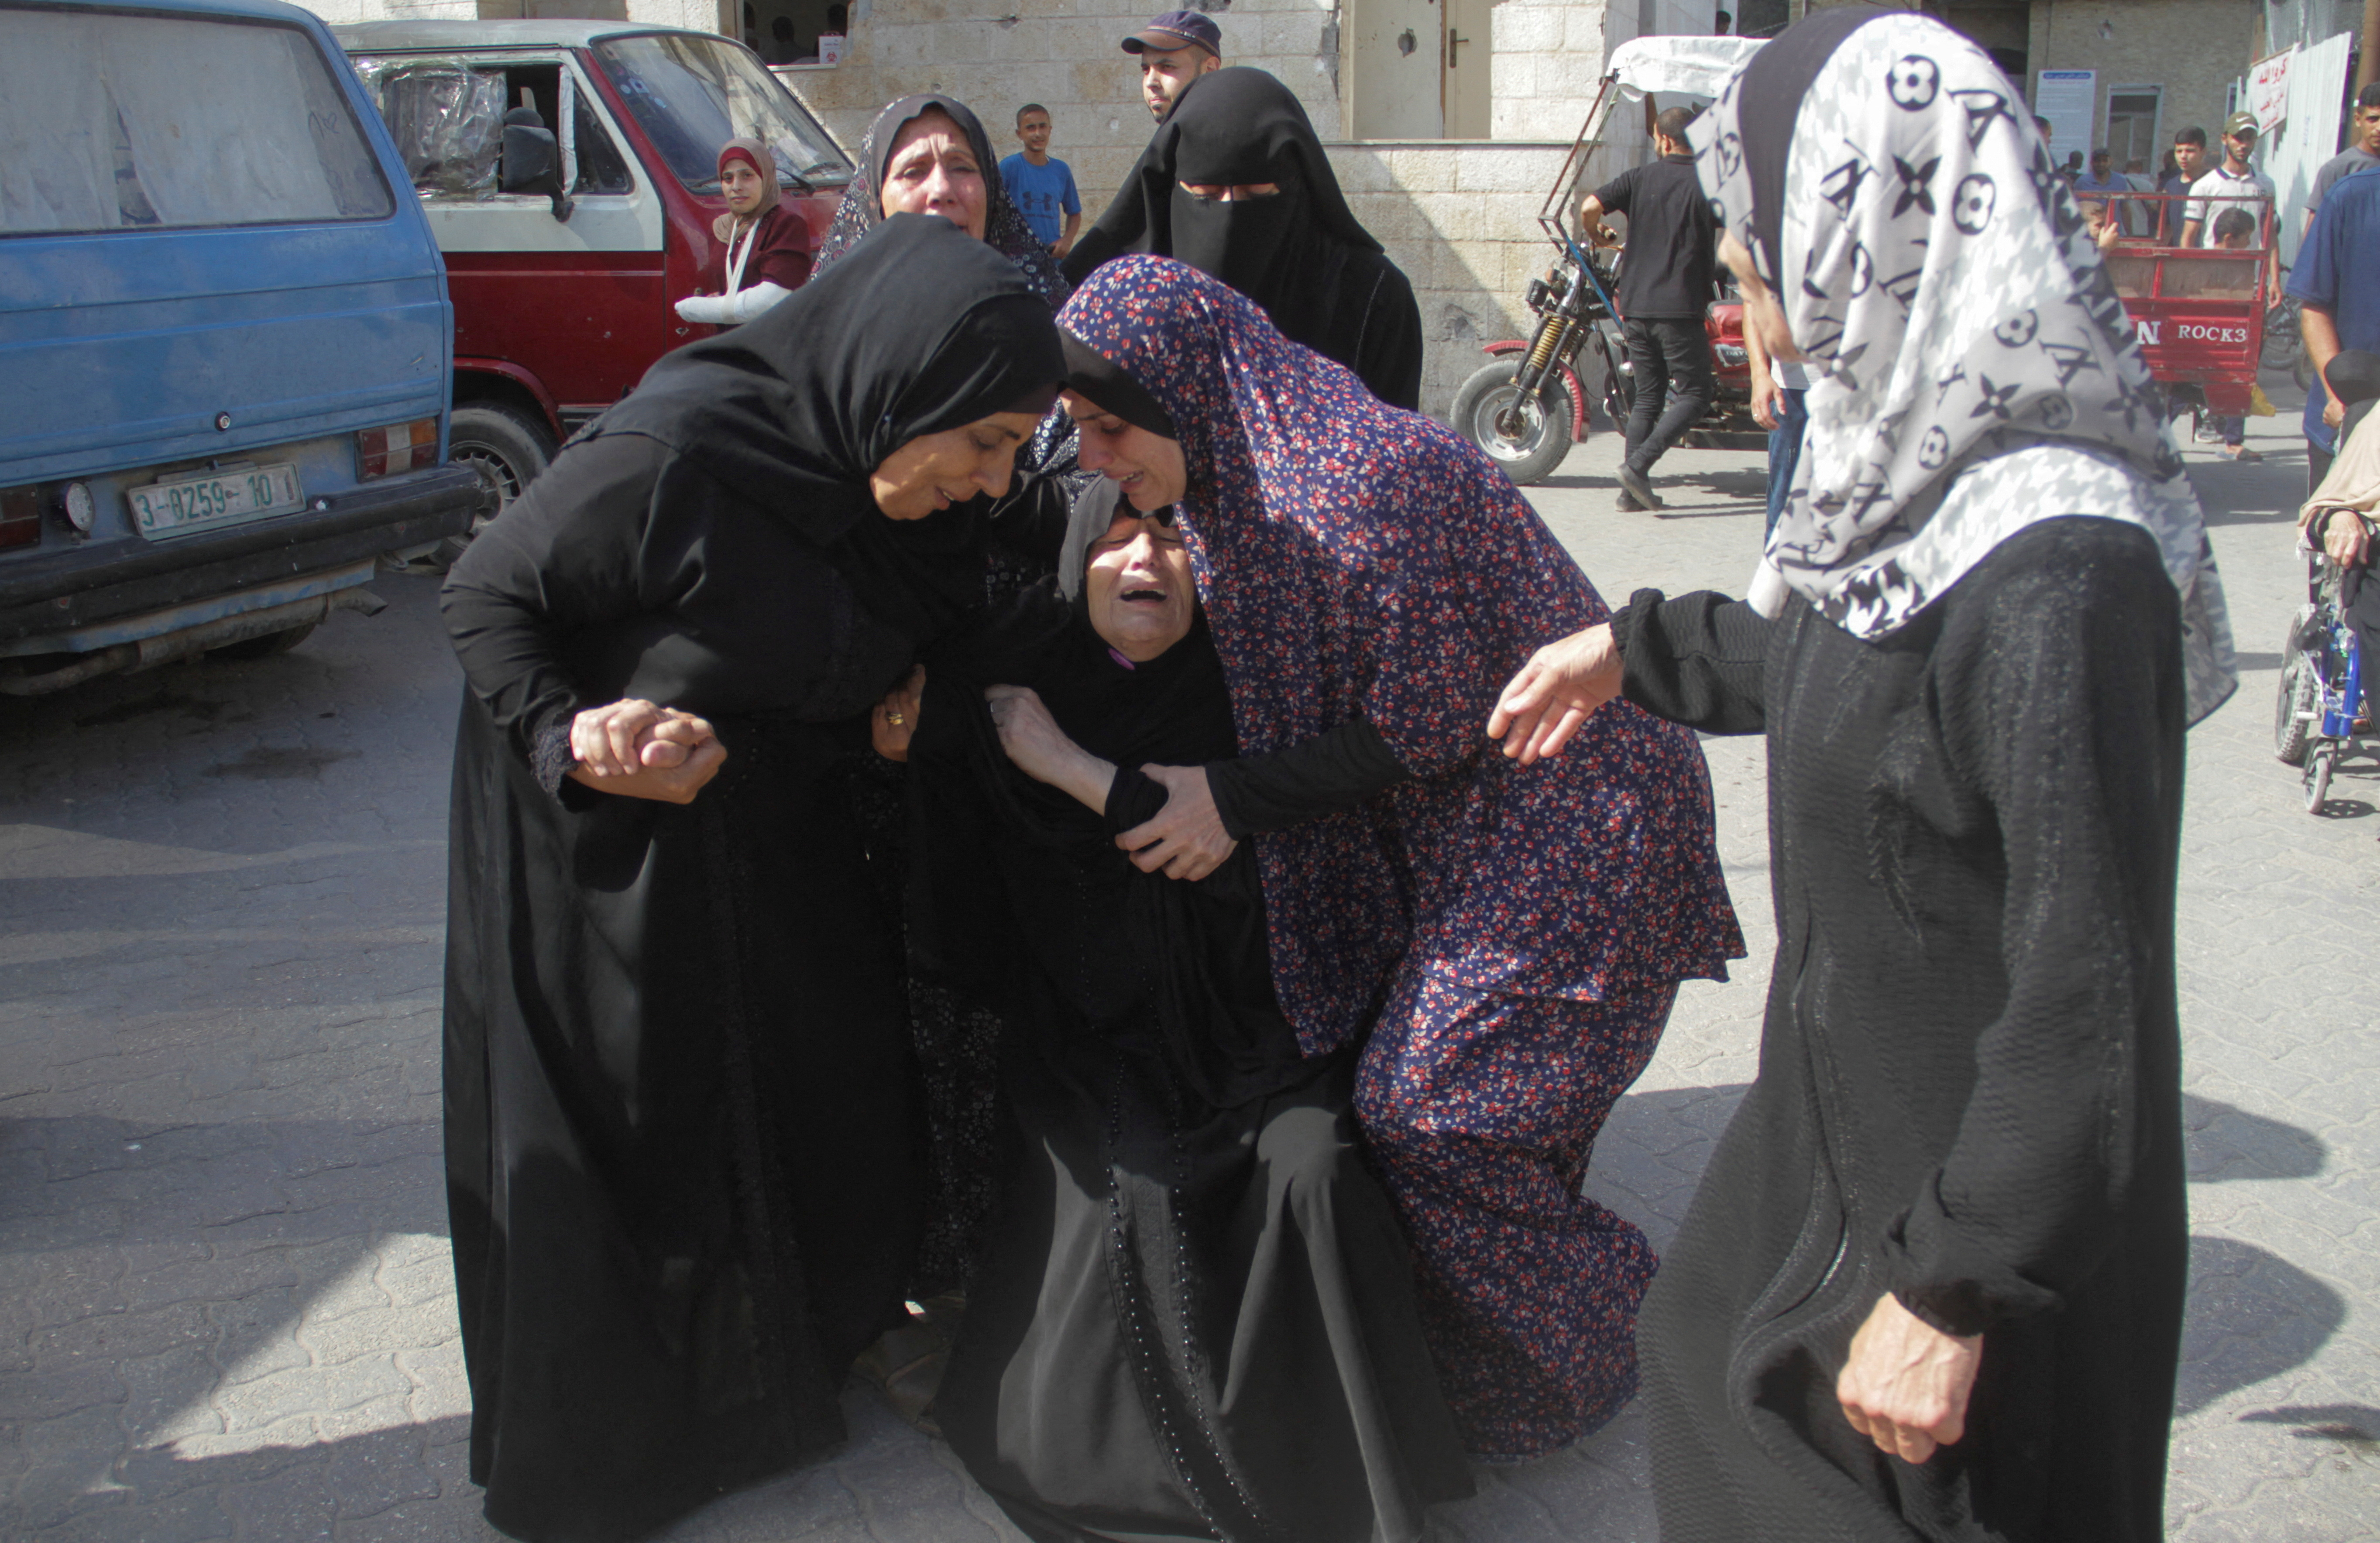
x,y
223,1286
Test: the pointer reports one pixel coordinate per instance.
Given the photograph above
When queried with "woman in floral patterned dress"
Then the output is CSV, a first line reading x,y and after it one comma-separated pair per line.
x,y
1510,937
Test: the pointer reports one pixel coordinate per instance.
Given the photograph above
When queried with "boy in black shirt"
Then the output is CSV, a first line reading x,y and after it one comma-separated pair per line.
x,y
1665,288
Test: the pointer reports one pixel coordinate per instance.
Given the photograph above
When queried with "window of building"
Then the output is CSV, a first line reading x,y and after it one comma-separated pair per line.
x,y
2132,124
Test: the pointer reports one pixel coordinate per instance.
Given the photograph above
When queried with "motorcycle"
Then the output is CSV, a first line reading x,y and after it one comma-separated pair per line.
x,y
1528,405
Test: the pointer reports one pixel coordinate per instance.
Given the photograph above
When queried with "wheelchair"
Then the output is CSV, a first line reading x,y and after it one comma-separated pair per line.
x,y
2319,717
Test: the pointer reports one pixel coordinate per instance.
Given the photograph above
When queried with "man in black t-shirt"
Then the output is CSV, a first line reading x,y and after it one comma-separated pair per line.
x,y
1664,290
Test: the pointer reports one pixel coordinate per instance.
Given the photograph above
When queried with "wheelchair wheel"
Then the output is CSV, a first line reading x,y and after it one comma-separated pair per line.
x,y
2299,695
2317,776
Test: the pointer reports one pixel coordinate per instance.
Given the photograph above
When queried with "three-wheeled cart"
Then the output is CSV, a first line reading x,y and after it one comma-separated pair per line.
x,y
1528,405
2199,309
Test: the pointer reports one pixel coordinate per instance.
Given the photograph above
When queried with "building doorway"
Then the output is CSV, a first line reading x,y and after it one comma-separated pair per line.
x,y
1420,69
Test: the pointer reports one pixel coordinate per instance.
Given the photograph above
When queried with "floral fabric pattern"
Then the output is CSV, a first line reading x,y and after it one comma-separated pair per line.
x,y
1482,1111
1357,560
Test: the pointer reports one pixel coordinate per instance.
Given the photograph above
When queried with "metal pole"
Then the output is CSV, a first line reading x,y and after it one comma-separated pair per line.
x,y
2371,64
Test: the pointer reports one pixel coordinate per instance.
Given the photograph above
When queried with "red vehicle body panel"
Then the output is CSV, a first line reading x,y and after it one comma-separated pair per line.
x,y
581,328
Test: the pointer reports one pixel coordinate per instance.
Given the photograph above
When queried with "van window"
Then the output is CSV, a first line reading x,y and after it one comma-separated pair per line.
x,y
602,167
120,122
693,94
447,120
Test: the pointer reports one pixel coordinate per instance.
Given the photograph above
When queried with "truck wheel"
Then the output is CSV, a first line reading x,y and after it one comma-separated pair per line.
x,y
1544,439
506,445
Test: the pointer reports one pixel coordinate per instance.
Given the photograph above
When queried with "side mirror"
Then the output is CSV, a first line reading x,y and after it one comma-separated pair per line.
x,y
532,164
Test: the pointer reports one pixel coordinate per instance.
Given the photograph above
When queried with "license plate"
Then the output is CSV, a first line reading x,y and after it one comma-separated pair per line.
x,y
165,509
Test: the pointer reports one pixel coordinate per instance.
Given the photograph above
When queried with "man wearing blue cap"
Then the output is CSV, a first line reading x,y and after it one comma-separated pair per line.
x,y
1174,50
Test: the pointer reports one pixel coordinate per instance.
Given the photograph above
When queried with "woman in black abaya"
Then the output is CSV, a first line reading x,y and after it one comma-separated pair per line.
x,y
1199,1319
1931,1284
1236,185
682,1127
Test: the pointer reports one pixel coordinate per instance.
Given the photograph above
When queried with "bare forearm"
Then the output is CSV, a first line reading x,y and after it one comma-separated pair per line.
x,y
1083,777
2319,330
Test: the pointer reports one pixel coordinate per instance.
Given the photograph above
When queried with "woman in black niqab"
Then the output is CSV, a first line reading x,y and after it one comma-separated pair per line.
x,y
1198,1319
683,1133
1300,253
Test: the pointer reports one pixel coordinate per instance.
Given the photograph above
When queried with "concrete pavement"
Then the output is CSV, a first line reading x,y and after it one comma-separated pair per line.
x,y
224,1298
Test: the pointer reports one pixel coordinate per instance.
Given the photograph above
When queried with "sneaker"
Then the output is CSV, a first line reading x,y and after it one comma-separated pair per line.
x,y
1627,503
1633,483
2242,453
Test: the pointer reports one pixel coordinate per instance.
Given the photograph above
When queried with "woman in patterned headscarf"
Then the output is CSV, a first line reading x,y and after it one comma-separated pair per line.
x,y
1510,940
927,155
1932,1282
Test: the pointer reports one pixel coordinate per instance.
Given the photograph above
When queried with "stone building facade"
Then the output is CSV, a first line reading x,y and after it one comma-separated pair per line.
x,y
1448,168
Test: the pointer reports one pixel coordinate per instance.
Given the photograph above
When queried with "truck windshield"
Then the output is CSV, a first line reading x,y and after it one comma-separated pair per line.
x,y
693,94
125,122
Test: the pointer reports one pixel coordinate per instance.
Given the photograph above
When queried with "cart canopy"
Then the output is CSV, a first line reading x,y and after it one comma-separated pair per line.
x,y
1688,65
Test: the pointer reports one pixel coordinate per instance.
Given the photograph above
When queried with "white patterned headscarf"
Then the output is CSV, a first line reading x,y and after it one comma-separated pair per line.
x,y
1972,368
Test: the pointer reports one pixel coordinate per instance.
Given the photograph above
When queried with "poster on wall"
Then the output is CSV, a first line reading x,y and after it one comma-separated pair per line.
x,y
2268,88
2070,100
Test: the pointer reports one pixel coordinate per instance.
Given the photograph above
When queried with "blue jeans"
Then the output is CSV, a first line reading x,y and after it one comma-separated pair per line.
x,y
2234,432
1785,448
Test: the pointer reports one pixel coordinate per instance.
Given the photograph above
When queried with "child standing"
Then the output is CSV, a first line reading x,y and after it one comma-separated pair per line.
x,y
1042,188
2232,230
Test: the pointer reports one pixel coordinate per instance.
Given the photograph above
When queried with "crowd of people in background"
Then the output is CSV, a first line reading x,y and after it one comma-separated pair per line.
x,y
1025,827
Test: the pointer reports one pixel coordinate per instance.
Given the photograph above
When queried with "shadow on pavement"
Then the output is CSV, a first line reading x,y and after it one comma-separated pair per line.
x,y
2251,1315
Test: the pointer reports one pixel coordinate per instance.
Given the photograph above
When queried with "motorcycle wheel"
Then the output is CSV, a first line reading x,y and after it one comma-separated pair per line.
x,y
1533,453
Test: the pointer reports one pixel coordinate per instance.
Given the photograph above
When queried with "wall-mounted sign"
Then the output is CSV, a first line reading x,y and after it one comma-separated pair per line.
x,y
2268,88
2070,100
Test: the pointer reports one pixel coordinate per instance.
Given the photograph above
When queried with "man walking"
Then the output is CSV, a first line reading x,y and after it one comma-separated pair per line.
x,y
2362,151
1174,50
2233,185
1041,186
2337,282
2190,164
1664,288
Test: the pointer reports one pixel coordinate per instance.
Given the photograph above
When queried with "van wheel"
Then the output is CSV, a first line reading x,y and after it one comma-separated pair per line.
x,y
507,447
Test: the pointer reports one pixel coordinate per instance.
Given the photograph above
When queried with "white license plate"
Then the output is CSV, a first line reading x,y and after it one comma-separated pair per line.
x,y
164,509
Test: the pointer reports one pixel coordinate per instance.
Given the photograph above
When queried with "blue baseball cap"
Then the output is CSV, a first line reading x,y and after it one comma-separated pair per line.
x,y
1177,29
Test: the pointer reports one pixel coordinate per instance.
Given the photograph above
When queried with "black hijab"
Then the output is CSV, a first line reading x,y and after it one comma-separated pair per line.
x,y
1005,229
923,329
1287,252
1125,950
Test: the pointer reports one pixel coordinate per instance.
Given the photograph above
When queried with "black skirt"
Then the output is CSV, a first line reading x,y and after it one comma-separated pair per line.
x,y
1200,1322
682,1129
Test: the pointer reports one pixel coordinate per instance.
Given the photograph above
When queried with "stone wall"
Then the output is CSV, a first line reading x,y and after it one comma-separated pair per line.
x,y
2193,48
1458,217
1063,54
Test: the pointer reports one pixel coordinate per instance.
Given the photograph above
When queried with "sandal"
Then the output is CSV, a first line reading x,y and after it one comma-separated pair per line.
x,y
906,1364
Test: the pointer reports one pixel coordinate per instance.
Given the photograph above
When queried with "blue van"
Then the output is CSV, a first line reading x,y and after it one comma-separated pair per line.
x,y
225,345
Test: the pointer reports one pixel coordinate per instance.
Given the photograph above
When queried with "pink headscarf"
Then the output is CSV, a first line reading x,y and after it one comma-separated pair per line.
x,y
755,154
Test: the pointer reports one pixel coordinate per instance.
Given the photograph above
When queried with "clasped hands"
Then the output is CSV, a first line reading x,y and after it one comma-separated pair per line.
x,y
637,750
1185,840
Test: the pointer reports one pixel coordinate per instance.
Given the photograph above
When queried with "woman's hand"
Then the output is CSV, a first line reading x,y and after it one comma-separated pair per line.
x,y
1186,839
632,734
1040,748
1906,1385
2346,537
894,721
1560,684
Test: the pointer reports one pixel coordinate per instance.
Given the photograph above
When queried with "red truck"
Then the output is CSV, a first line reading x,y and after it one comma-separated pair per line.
x,y
564,286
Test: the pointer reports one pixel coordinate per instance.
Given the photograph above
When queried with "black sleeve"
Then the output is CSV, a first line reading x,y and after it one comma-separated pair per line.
x,y
2057,681
1614,194
567,554
1388,357
1134,798
1698,659
1317,777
